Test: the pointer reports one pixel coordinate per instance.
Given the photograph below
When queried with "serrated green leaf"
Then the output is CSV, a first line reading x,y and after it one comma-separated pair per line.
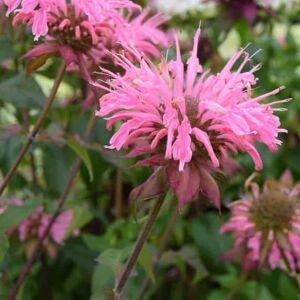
x,y
84,155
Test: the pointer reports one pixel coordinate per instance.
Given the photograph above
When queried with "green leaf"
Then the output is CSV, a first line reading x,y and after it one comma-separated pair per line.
x,y
114,258
217,295
102,283
187,255
286,289
146,262
84,155
94,242
4,245
81,217
266,295
57,162
211,244
6,50
15,214
21,92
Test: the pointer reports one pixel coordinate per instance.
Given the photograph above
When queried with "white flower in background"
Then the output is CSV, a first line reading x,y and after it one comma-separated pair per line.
x,y
181,7
278,4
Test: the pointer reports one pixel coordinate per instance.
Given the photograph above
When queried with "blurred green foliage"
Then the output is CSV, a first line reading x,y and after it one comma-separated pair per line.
x,y
86,265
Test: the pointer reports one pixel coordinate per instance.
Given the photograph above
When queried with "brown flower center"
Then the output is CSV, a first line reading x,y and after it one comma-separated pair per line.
x,y
273,211
69,30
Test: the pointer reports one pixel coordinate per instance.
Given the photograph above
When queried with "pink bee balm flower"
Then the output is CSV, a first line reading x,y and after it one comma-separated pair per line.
x,y
266,226
75,30
35,13
188,121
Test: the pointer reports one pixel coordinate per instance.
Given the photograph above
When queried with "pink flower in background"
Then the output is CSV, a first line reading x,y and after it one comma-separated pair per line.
x,y
88,29
70,33
247,9
188,121
33,227
35,13
266,226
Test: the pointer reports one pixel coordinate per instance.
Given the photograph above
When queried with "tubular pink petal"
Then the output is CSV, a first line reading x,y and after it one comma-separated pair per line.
x,y
193,65
182,146
160,134
203,138
88,26
63,24
77,33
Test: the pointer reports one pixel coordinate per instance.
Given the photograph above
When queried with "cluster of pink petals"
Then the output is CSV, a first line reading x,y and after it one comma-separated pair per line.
x,y
188,120
256,248
34,13
143,33
98,10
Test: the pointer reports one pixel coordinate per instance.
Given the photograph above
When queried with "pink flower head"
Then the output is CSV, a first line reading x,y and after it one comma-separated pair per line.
x,y
88,29
188,120
266,226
